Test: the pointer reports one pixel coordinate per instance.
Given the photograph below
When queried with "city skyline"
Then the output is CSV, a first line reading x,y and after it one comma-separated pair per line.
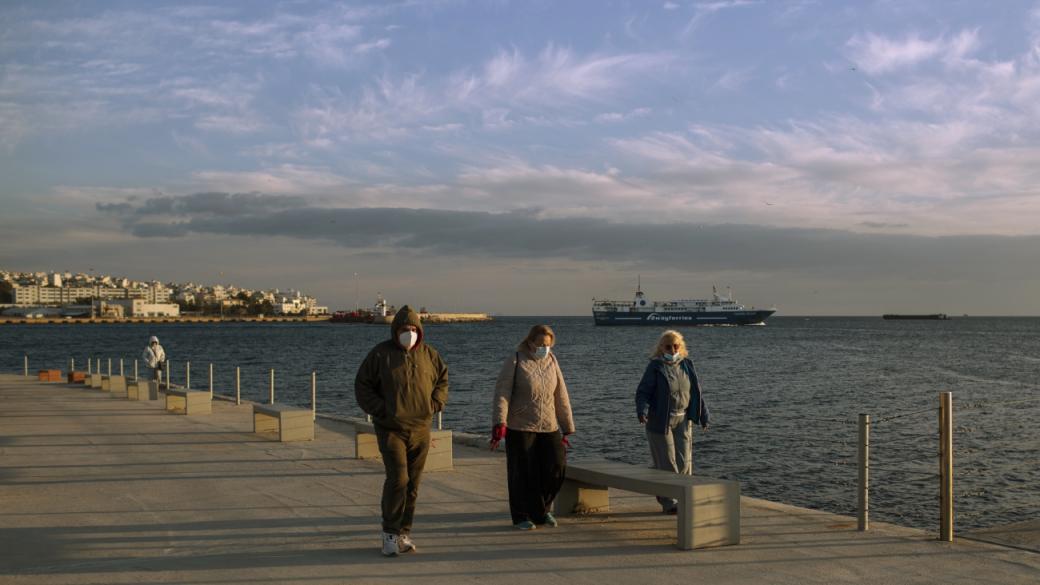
x,y
523,158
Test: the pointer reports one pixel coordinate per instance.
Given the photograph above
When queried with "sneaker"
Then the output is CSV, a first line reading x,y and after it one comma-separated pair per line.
x,y
405,544
550,520
525,525
390,545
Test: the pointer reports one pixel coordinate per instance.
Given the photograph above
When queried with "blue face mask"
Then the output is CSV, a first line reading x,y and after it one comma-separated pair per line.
x,y
670,357
541,351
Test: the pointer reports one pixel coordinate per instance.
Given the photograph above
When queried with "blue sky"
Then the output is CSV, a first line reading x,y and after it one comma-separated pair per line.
x,y
870,140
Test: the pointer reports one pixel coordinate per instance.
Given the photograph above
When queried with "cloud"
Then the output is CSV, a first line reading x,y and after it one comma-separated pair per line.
x,y
507,88
703,10
679,246
876,54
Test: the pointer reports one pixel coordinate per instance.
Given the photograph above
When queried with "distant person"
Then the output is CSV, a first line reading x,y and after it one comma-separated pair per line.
x,y
402,382
532,412
155,357
668,400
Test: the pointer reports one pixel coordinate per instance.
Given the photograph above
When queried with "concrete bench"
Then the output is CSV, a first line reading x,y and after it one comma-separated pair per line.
x,y
117,386
106,381
709,509
188,402
290,423
366,446
94,380
142,390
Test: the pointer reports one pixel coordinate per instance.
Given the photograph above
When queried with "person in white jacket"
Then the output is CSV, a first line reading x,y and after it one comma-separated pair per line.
x,y
155,357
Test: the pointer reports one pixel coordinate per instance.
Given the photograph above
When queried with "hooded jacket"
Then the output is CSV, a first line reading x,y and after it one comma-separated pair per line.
x,y
653,396
402,388
530,395
154,356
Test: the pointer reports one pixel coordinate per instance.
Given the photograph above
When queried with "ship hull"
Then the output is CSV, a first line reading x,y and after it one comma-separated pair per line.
x,y
662,318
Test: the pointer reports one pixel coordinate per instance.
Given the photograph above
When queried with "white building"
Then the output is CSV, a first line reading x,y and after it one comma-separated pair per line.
x,y
140,308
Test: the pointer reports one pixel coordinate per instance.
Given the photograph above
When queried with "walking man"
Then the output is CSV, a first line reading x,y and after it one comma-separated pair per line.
x,y
402,383
155,356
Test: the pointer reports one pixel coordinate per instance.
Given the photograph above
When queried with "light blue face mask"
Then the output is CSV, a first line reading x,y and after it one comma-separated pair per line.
x,y
541,351
670,357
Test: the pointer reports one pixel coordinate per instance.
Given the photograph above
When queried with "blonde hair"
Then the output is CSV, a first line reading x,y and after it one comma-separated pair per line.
x,y
536,332
668,338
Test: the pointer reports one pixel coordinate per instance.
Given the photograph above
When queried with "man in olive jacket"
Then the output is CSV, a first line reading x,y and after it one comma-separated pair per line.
x,y
402,383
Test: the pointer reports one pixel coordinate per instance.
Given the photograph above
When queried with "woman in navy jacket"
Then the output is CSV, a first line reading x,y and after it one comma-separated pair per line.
x,y
668,399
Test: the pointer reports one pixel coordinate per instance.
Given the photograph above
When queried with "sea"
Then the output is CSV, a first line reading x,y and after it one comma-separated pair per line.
x,y
784,397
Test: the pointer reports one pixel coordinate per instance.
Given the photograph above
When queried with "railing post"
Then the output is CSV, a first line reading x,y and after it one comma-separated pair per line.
x,y
238,385
90,367
271,401
98,369
26,365
187,375
120,366
109,367
864,472
440,420
946,466
135,370
166,372
314,395
211,381
72,364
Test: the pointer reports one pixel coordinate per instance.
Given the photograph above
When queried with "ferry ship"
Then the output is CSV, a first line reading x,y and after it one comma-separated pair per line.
x,y
717,310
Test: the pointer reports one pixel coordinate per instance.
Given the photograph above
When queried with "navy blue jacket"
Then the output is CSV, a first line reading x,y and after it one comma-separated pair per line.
x,y
653,396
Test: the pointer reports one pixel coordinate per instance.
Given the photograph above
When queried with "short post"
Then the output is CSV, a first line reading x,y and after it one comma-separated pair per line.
x,y
72,364
271,401
166,372
26,365
238,386
109,367
440,420
135,370
946,466
314,395
90,367
120,366
98,369
864,472
187,375
211,381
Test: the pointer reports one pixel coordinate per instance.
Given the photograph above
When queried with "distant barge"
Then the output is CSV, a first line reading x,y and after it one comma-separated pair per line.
x,y
929,317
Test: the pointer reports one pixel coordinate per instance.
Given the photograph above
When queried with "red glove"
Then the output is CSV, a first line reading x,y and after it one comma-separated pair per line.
x,y
566,443
498,432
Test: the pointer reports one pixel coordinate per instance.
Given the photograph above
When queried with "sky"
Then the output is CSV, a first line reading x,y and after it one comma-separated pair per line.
x,y
522,158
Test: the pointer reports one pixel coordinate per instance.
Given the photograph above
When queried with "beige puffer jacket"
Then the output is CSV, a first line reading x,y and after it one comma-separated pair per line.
x,y
539,402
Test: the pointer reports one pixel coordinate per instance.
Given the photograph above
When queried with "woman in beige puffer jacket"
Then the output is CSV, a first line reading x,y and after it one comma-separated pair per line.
x,y
532,412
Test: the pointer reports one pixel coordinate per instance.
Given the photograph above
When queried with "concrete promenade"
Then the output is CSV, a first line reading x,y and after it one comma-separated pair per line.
x,y
95,489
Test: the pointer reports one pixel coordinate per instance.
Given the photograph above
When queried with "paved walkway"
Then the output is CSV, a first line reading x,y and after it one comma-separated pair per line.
x,y
101,490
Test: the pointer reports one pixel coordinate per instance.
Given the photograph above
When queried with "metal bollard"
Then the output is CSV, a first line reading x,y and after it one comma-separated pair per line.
x,y
135,370
109,367
211,381
26,365
187,375
120,366
946,466
864,472
72,364
238,386
440,420
314,395
271,401
166,373
89,367
98,369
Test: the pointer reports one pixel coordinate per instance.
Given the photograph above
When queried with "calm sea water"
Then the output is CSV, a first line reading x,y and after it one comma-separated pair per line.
x,y
783,397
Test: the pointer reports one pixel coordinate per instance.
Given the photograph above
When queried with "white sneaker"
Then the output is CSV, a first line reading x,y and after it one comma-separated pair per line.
x,y
405,543
390,545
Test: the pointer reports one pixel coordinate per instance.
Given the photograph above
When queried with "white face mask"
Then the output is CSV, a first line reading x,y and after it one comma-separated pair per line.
x,y
541,351
407,339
